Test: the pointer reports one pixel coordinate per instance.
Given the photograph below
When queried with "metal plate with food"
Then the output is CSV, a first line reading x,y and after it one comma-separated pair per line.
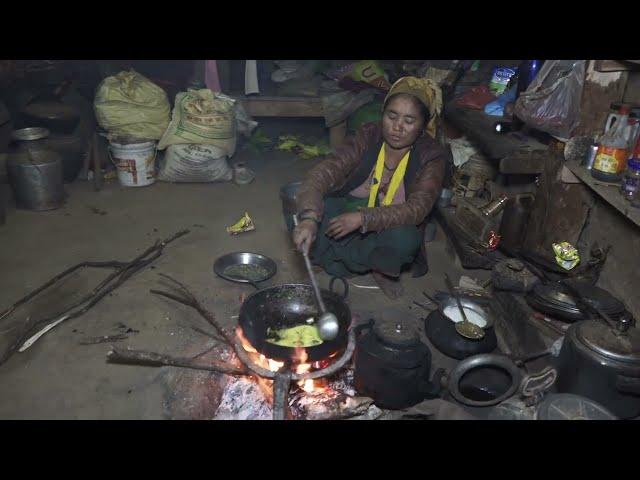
x,y
245,267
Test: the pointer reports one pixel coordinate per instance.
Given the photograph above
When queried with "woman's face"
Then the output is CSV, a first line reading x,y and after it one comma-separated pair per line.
x,y
402,122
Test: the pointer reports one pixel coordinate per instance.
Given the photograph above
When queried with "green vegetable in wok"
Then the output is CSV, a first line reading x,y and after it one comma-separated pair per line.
x,y
299,336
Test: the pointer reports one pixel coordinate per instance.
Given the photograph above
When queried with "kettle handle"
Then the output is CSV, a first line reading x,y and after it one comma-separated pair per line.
x,y
345,287
538,383
626,384
358,329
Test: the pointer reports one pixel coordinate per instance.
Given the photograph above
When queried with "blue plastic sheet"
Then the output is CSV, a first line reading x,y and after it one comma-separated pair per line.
x,y
496,108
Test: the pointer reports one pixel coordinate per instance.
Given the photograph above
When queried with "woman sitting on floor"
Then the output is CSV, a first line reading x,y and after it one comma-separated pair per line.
x,y
370,199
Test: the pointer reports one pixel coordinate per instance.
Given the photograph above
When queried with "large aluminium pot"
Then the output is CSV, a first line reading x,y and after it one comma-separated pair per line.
x,y
35,171
603,364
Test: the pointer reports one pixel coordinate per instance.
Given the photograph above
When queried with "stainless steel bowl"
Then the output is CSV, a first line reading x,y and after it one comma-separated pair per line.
x,y
244,258
474,312
31,133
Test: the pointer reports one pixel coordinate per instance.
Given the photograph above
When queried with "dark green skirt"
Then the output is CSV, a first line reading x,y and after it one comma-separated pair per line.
x,y
357,253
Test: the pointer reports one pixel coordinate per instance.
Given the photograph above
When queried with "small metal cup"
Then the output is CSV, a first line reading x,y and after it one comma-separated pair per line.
x,y
590,156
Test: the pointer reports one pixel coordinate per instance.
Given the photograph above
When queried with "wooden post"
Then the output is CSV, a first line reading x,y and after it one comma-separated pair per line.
x,y
97,163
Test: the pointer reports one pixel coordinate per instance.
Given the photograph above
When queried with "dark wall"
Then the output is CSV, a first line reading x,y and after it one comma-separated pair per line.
x,y
621,272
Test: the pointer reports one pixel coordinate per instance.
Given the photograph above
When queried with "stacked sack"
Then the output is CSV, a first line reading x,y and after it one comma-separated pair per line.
x,y
135,113
200,137
129,105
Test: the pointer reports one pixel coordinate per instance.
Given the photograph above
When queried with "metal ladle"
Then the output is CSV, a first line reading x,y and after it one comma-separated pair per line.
x,y
328,326
464,328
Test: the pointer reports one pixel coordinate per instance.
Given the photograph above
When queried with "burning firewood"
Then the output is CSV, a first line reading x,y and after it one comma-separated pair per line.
x,y
152,359
269,388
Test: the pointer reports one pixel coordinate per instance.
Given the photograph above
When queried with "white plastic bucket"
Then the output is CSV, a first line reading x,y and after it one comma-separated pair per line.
x,y
135,162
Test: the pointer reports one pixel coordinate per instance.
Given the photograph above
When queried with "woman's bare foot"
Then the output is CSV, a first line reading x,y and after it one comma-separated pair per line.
x,y
390,286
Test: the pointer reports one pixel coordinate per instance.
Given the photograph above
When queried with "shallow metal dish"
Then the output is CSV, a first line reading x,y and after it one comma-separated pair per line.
x,y
244,258
31,133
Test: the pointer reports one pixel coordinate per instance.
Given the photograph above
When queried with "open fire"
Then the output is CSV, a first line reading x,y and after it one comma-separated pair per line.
x,y
299,365
329,397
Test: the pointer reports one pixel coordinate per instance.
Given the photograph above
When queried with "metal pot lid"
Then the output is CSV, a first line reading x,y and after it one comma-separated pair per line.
x,y
555,297
396,333
602,339
566,406
596,296
31,133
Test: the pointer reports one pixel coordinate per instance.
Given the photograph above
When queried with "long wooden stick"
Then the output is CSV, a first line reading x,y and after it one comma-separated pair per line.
x,y
153,359
57,278
26,337
191,301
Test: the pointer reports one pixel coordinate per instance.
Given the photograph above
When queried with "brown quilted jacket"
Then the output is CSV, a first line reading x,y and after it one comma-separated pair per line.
x,y
333,173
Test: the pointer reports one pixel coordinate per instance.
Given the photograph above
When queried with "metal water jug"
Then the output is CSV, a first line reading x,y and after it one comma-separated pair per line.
x,y
35,172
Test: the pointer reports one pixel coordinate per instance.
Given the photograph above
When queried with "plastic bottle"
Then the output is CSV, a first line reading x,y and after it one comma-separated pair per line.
x,y
526,73
631,180
634,134
611,159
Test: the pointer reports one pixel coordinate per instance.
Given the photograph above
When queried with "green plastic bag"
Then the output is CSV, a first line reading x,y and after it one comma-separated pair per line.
x,y
130,105
371,112
370,71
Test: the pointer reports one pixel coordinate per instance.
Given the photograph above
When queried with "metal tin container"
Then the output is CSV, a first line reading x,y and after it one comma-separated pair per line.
x,y
590,156
495,207
36,179
602,364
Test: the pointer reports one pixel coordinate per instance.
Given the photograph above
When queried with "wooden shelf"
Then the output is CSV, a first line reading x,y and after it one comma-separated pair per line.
x,y
478,126
608,192
265,106
293,107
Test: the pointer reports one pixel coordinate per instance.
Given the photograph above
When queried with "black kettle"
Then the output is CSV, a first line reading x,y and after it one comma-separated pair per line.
x,y
392,365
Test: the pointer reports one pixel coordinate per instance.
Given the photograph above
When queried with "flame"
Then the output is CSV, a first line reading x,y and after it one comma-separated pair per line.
x,y
300,358
308,385
300,355
273,365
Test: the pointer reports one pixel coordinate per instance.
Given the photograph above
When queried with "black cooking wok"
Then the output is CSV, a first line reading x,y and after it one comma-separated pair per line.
x,y
286,306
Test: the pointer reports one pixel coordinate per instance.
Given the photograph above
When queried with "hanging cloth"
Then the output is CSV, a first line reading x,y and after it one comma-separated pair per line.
x,y
396,179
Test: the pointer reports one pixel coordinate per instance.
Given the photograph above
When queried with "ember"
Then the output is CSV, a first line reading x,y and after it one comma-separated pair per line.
x,y
323,398
241,400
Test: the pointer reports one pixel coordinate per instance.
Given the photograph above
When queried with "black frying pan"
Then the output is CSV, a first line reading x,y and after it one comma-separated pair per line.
x,y
289,305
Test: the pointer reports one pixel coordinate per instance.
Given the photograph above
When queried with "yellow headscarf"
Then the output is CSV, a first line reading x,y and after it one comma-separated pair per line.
x,y
425,90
